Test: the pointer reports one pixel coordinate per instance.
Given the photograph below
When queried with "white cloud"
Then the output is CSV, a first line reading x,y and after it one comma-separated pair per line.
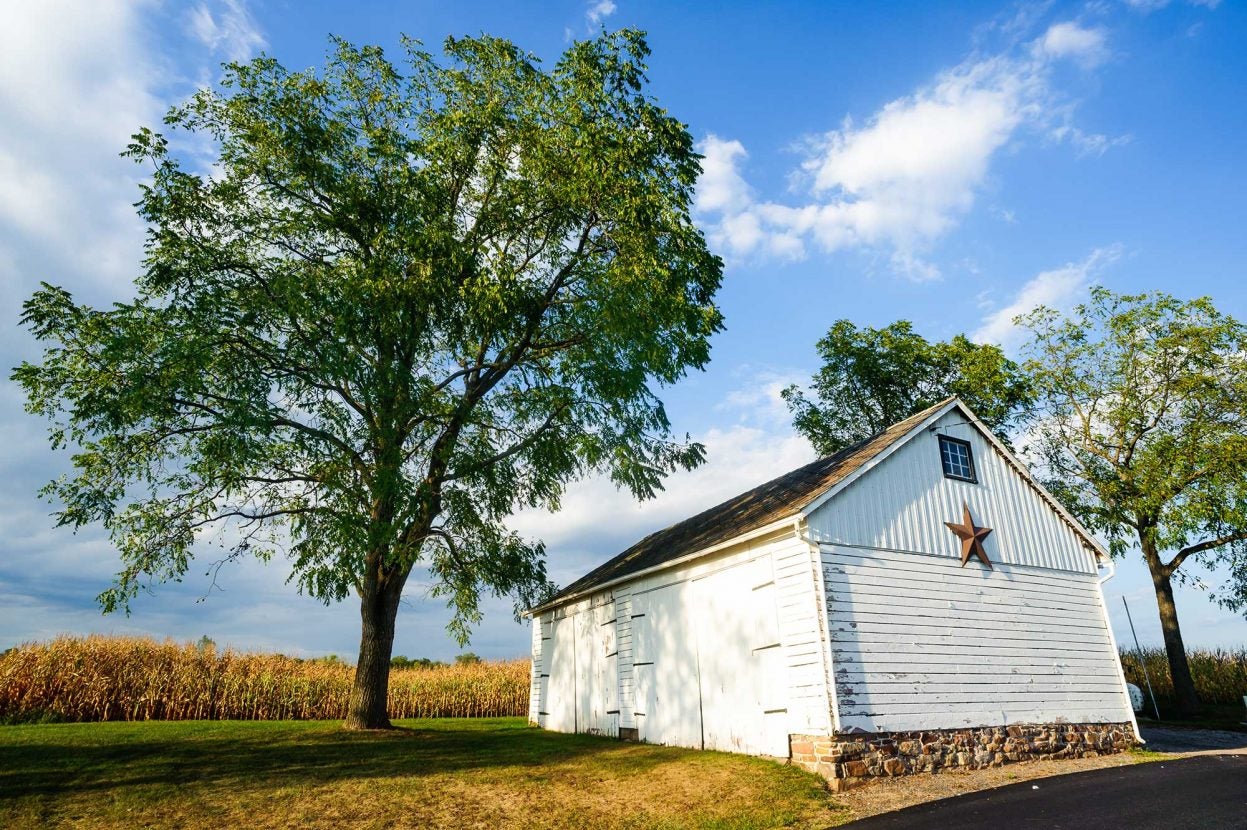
x,y
227,28
1070,40
1087,144
74,84
913,268
598,11
758,400
1057,288
908,174
721,187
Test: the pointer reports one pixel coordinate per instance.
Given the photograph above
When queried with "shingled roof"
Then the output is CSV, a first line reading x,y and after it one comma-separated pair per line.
x,y
777,499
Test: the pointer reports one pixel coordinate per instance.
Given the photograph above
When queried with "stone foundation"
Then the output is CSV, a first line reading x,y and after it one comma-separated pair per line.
x,y
845,760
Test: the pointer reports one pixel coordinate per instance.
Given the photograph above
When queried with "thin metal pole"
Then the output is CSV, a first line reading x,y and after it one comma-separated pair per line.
x,y
1142,662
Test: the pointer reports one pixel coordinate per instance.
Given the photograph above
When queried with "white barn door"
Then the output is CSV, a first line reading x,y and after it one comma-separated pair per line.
x,y
740,662
559,698
668,710
708,664
597,671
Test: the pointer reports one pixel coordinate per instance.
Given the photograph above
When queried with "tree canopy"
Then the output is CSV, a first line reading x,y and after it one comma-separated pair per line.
x,y
403,302
872,378
1140,430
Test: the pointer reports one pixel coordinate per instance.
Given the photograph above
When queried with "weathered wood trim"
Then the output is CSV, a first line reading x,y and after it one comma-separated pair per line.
x,y
825,657
1121,671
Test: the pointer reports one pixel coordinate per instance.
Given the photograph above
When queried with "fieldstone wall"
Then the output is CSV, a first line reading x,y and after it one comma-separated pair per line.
x,y
848,759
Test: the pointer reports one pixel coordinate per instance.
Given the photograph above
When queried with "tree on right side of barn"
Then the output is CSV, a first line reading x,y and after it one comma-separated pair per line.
x,y
1140,429
872,378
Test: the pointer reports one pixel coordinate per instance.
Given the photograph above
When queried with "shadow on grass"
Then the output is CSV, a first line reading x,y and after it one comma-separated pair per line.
x,y
53,759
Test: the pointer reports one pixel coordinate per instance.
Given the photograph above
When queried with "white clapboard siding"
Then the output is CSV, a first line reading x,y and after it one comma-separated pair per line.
x,y
903,502
953,647
920,670
965,717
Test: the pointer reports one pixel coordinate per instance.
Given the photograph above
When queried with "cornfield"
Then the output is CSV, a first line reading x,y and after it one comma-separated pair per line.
x,y
112,678
1220,675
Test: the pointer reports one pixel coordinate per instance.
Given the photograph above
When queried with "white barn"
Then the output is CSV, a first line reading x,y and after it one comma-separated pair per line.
x,y
835,617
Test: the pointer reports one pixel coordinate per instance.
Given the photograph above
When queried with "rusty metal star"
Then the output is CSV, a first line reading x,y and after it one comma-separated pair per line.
x,y
971,538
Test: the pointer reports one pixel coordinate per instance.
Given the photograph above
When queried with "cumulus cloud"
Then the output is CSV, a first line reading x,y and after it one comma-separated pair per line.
x,y
1057,288
907,174
76,80
721,187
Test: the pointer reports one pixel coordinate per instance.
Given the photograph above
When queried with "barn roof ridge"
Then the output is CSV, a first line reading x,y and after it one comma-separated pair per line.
x,y
772,501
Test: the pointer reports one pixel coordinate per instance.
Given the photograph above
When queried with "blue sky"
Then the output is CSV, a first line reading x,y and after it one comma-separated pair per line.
x,y
953,166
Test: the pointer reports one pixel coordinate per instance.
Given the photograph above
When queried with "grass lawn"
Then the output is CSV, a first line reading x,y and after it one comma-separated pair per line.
x,y
431,773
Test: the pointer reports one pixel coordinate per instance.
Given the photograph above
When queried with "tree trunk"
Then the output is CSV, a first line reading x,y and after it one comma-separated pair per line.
x,y
1179,669
369,694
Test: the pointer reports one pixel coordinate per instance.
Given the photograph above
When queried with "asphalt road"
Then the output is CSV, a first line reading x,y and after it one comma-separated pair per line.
x,y
1209,741
1205,793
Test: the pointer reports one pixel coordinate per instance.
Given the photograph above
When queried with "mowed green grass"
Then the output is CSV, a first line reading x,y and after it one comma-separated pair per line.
x,y
485,773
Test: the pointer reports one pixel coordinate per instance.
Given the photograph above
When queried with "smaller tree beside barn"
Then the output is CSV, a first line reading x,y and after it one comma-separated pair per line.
x,y
872,378
1141,429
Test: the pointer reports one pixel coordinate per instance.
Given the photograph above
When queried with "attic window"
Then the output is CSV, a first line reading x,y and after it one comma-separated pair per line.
x,y
956,458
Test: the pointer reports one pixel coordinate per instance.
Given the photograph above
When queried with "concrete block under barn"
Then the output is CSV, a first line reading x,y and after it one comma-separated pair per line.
x,y
914,602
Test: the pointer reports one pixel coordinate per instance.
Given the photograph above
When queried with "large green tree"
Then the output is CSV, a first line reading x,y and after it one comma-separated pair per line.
x,y
1141,432
405,301
872,378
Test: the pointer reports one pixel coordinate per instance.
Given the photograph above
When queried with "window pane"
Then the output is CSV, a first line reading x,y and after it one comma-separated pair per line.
x,y
955,457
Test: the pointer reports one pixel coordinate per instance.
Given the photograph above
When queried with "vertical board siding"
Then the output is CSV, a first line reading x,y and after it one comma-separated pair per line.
x,y
623,644
559,696
918,642
579,678
535,685
724,653
903,502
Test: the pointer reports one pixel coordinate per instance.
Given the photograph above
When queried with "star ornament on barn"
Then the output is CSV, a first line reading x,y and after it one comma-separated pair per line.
x,y
971,538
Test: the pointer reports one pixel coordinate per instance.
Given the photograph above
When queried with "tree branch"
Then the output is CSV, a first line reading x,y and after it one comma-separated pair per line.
x,y
1209,544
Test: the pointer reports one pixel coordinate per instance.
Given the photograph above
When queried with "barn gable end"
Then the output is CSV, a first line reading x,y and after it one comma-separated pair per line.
x,y
902,502
920,641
